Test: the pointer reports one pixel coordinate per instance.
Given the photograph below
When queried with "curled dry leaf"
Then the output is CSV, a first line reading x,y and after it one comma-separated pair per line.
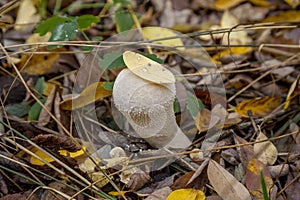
x,y
266,152
147,69
260,107
90,94
225,184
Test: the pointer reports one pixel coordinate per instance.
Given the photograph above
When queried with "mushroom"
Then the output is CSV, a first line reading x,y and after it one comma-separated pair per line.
x,y
148,107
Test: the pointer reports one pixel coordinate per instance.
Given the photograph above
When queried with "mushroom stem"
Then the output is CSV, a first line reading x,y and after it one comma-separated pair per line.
x,y
148,107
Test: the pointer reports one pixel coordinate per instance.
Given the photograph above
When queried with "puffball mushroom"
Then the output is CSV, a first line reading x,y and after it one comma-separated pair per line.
x,y
148,107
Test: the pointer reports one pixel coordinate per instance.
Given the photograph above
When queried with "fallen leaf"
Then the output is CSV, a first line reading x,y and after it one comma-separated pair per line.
x,y
291,91
39,63
246,152
189,193
226,4
225,184
293,3
252,178
260,107
263,3
41,154
147,69
157,33
90,94
266,152
290,15
27,14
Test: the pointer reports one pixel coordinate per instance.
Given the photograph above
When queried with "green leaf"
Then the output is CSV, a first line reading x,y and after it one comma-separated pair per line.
x,y
123,20
63,32
264,186
40,85
86,21
108,85
35,110
90,48
123,2
194,105
112,60
153,57
19,110
49,24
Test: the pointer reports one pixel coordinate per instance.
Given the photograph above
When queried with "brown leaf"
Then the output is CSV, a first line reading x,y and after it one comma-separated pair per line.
x,y
252,177
246,152
260,107
225,184
266,152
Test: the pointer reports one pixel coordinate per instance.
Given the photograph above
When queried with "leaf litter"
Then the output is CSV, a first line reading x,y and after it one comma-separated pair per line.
x,y
254,46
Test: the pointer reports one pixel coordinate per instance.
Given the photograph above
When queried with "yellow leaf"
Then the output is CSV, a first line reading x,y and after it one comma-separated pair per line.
x,y
186,194
90,94
225,184
226,4
89,164
155,33
121,193
291,91
266,152
263,3
231,51
39,63
260,107
36,161
290,15
293,3
27,14
147,68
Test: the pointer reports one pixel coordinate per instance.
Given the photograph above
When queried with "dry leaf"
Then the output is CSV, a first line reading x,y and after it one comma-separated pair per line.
x,y
41,154
260,107
252,178
225,184
291,91
290,15
266,152
38,64
226,4
190,194
26,14
263,3
90,94
239,37
155,33
147,69
44,117
293,3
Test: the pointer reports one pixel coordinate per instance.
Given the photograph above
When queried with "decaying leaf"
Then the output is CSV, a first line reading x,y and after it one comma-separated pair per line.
x,y
147,68
291,91
38,64
252,178
156,33
90,94
225,184
266,152
260,107
189,193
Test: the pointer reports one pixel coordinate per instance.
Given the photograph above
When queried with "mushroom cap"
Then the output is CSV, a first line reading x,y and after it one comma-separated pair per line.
x,y
129,93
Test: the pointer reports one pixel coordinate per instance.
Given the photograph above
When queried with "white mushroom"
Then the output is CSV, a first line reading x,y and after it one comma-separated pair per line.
x,y
148,108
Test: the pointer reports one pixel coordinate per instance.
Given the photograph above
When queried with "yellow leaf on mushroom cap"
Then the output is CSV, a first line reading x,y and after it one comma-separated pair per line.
x,y
147,69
